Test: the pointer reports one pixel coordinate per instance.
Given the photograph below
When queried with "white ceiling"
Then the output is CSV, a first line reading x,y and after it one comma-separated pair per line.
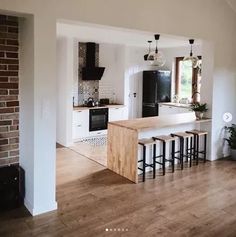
x,y
103,34
232,4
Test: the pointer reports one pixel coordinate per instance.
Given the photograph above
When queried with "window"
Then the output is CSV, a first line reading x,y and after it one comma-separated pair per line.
x,y
188,80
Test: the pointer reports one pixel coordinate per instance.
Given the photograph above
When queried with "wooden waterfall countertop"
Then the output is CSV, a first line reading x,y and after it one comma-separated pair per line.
x,y
122,141
159,121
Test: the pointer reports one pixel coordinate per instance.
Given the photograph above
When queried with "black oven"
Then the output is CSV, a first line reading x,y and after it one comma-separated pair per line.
x,y
98,119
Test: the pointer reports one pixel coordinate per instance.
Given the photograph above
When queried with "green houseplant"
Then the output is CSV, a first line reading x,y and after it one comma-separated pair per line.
x,y
199,109
232,139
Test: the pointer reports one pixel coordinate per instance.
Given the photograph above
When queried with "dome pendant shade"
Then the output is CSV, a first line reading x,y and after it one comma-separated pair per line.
x,y
149,50
193,59
156,57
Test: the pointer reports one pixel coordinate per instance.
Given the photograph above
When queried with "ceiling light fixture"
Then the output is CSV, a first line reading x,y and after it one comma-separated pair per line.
x,y
193,59
149,51
156,57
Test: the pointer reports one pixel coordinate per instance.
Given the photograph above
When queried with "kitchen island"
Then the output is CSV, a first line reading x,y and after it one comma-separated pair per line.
x,y
123,150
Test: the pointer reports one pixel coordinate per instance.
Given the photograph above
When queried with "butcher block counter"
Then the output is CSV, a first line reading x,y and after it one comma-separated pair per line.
x,y
123,136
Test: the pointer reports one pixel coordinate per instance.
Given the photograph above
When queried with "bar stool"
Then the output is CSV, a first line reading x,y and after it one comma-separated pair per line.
x,y
163,140
189,151
144,143
197,134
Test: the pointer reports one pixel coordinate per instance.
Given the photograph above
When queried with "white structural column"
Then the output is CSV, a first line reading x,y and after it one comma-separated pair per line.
x,y
45,114
38,112
26,95
67,68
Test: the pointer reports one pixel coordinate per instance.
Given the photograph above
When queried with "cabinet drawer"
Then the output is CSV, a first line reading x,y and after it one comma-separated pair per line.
x,y
80,126
184,110
80,116
80,131
116,114
98,133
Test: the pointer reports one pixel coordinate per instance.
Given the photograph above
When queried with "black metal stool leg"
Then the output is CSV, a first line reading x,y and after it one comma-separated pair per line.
x,y
197,150
187,149
154,161
173,156
191,151
194,147
179,161
164,158
205,147
144,163
182,153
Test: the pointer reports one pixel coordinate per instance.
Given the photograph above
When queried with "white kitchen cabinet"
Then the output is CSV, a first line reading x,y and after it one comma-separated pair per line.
x,y
167,109
80,127
116,114
80,124
184,110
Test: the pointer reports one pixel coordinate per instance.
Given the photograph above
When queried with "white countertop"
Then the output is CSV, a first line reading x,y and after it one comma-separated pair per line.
x,y
175,104
97,107
160,121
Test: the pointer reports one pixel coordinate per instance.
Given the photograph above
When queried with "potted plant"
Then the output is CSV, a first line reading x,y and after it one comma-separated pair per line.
x,y
199,109
232,140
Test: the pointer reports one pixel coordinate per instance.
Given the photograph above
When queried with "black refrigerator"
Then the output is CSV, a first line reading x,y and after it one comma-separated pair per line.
x,y
156,88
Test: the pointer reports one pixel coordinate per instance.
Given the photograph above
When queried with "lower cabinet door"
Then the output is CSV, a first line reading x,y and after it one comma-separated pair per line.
x,y
80,131
184,110
80,128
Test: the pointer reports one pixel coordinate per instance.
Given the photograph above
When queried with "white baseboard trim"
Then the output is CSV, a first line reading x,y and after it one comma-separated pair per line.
x,y
69,144
34,211
28,205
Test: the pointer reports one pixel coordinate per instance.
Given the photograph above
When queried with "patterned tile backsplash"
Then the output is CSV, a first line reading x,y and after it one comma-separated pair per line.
x,y
82,90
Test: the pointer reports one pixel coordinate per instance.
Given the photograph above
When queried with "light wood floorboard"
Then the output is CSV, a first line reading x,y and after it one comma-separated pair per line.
x,y
198,201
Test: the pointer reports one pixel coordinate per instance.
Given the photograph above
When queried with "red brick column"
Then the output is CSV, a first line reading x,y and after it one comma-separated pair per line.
x,y
9,90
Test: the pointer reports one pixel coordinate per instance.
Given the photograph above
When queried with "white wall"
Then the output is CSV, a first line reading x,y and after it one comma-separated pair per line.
x,y
216,24
111,85
65,73
135,65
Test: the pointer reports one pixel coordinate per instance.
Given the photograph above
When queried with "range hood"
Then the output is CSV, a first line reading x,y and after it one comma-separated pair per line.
x,y
91,72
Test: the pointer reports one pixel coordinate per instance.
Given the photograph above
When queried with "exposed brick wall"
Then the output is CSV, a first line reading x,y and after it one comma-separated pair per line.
x,y
9,90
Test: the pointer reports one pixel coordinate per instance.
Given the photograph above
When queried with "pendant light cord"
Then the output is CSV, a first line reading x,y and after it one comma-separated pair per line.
x,y
156,36
156,48
149,46
191,51
191,42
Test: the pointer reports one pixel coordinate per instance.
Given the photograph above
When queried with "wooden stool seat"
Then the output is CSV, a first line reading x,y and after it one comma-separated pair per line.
x,y
164,138
189,152
146,141
182,134
197,132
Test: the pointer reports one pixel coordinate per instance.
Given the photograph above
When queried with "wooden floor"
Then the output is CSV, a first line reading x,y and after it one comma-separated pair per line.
x,y
94,153
200,201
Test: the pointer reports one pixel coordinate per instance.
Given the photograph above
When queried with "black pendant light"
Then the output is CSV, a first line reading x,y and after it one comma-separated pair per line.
x,y
193,59
156,57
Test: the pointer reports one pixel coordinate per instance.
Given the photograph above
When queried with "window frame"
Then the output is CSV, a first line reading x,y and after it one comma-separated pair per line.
x,y
195,81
